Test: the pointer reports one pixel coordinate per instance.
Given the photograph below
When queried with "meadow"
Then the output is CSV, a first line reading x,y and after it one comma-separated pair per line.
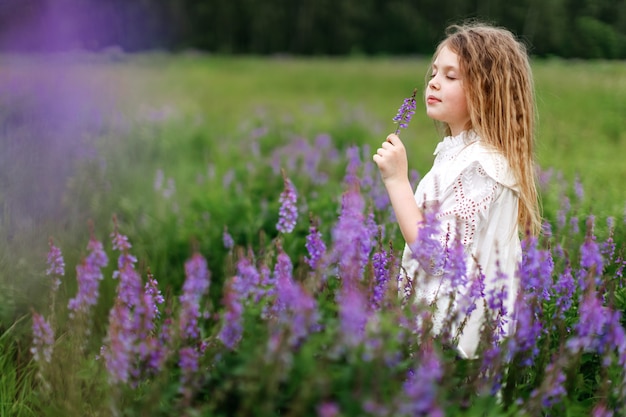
x,y
142,271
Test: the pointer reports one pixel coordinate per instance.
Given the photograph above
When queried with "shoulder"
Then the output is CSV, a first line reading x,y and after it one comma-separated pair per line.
x,y
492,161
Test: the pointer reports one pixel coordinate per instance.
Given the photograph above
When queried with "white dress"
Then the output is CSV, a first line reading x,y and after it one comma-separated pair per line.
x,y
476,191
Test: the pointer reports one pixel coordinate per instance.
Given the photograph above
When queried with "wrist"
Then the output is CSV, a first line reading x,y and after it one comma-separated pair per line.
x,y
397,183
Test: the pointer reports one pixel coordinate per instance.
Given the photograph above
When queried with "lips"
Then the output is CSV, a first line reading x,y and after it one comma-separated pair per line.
x,y
432,100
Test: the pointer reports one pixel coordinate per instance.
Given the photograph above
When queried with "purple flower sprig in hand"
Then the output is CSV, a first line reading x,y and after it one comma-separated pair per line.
x,y
405,112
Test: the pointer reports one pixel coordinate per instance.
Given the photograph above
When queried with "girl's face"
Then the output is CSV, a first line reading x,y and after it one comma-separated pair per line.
x,y
445,95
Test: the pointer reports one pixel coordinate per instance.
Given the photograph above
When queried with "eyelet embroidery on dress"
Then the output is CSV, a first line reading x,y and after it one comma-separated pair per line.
x,y
468,207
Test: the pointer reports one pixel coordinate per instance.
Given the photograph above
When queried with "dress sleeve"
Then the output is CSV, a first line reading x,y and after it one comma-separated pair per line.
x,y
466,202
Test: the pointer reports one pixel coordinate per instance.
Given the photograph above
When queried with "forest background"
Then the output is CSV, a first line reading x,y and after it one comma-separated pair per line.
x,y
565,28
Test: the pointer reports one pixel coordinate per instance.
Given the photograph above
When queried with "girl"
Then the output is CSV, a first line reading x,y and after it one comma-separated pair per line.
x,y
480,94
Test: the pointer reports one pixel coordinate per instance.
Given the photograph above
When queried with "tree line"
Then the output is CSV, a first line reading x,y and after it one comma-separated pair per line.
x,y
566,28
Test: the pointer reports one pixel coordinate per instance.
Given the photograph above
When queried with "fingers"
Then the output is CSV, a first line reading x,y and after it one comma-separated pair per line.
x,y
393,139
381,153
390,146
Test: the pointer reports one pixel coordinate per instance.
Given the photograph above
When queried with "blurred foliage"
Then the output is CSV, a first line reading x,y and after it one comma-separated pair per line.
x,y
567,28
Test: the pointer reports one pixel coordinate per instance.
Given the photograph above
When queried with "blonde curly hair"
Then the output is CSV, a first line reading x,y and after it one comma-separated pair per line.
x,y
499,89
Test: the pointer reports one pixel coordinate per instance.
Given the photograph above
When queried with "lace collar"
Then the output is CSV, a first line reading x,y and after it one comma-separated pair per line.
x,y
451,142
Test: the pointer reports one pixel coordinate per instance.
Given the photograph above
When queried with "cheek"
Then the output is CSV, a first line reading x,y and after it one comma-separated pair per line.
x,y
462,102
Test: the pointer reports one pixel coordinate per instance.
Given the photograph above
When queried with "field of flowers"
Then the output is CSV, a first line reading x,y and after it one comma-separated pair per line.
x,y
205,236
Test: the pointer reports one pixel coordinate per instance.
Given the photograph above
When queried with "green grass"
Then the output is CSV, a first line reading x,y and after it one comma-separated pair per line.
x,y
16,375
581,104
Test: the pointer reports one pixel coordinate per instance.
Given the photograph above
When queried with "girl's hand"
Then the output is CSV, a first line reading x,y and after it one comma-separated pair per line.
x,y
392,160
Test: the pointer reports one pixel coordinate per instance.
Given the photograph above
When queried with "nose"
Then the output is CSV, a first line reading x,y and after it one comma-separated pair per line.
x,y
433,84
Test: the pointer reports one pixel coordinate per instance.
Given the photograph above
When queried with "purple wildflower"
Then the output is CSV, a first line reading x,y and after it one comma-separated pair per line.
x,y
598,328
152,291
229,243
608,247
591,261
574,226
528,329
563,292
120,242
232,328
353,237
492,377
476,291
353,315
428,248
145,315
420,387
56,265
131,346
380,197
375,409
315,246
248,285
121,338
266,278
43,339
147,344
283,270
159,354
170,190
327,409
159,177
496,302
614,338
293,308
130,285
619,272
578,188
129,289
89,274
228,178
188,359
455,266
406,112
544,177
197,281
414,178
380,263
188,362
130,341
535,269
601,410
562,213
288,213
552,391
351,179
243,287
546,229
312,158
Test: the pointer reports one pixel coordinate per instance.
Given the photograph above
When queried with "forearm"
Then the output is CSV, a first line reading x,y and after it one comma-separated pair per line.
x,y
408,213
392,162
